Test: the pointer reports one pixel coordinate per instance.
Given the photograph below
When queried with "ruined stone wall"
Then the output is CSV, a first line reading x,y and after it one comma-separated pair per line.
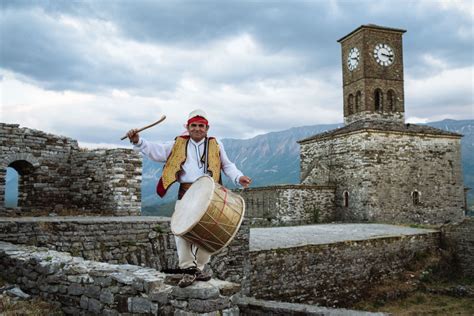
x,y
380,171
56,176
289,205
334,274
85,287
42,160
145,241
459,238
107,181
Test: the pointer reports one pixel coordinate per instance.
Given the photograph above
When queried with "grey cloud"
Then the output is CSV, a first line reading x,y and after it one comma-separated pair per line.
x,y
310,28
33,45
59,59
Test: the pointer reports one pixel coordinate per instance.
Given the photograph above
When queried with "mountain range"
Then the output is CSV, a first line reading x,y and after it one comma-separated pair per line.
x,y
273,158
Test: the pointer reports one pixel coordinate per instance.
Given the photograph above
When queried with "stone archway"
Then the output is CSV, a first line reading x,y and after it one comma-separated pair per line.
x,y
24,165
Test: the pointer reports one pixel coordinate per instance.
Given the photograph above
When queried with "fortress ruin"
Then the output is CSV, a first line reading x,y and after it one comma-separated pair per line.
x,y
77,237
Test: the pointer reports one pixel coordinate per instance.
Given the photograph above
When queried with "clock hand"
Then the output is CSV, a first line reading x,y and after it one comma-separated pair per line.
x,y
386,55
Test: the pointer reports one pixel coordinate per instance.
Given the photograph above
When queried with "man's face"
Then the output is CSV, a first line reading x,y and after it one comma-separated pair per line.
x,y
197,131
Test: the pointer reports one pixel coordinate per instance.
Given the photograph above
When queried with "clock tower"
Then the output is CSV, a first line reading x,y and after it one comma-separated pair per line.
x,y
372,74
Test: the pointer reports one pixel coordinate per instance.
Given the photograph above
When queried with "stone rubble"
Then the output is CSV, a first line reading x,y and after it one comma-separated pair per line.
x,y
89,287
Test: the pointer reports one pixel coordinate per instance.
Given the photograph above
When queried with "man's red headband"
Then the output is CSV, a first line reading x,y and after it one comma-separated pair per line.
x,y
198,119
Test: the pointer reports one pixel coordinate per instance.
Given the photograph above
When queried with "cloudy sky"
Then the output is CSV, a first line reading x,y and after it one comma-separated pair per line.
x,y
91,70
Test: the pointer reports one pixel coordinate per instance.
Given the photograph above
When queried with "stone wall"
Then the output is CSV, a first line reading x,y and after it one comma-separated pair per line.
x,y
41,159
459,238
334,274
289,205
56,176
375,116
107,181
382,170
145,241
85,287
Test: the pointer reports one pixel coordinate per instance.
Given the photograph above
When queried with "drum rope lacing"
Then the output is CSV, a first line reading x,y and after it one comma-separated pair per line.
x,y
223,206
220,213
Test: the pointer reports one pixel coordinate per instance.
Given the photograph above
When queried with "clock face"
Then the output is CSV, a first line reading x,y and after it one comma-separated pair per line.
x,y
383,54
353,59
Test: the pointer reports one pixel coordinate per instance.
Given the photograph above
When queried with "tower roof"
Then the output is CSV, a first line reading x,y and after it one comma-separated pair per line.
x,y
374,27
381,126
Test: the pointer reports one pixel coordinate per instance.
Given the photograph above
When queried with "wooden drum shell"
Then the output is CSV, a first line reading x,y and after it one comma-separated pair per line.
x,y
219,223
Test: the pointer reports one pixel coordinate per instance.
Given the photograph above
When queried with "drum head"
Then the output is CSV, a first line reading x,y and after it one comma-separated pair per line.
x,y
192,206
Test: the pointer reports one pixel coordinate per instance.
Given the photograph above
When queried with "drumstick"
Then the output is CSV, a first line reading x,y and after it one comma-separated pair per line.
x,y
148,126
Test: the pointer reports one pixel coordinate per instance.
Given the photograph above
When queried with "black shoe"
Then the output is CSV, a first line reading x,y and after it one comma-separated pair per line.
x,y
191,270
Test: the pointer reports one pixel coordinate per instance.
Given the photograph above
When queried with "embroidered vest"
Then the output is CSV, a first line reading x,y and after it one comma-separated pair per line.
x,y
174,164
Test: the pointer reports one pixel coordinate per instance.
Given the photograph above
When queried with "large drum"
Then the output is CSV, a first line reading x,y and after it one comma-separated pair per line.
x,y
208,215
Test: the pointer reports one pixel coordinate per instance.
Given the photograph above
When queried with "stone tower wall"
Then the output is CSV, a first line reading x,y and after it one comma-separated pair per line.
x,y
56,176
381,170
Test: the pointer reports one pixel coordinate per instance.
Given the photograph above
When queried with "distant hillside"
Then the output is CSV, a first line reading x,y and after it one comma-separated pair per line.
x,y
273,158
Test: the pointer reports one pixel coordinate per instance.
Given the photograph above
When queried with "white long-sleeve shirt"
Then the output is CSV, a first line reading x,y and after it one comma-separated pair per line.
x,y
193,168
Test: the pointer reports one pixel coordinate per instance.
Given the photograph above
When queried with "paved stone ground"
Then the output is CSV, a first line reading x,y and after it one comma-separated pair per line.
x,y
294,236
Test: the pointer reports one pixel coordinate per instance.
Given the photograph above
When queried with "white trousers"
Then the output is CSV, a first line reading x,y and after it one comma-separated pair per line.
x,y
189,255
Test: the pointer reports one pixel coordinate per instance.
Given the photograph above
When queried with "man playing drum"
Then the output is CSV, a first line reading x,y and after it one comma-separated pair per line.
x,y
185,159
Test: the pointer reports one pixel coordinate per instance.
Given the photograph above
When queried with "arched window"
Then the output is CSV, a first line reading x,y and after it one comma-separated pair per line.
x,y
416,197
358,100
378,100
350,104
346,199
391,100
